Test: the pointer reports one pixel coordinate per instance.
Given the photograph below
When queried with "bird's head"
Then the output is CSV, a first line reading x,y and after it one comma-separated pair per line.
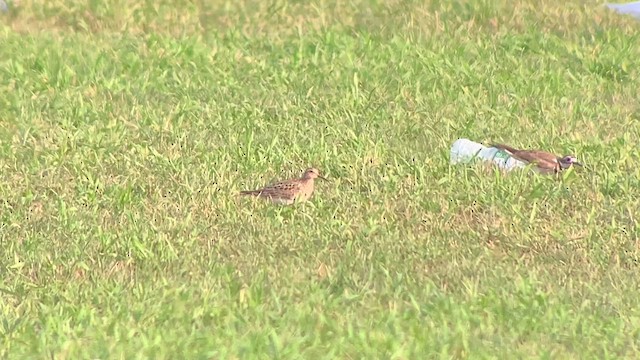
x,y
567,161
312,173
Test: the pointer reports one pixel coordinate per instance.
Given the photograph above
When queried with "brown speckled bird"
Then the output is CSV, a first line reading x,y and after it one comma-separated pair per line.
x,y
289,191
546,163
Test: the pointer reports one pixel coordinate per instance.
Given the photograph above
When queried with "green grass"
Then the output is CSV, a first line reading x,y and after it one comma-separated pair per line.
x,y
127,129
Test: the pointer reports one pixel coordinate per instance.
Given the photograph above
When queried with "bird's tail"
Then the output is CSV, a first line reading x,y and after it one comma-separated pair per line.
x,y
505,147
250,192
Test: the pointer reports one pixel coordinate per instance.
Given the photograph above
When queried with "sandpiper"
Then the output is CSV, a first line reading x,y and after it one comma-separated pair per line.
x,y
545,162
290,191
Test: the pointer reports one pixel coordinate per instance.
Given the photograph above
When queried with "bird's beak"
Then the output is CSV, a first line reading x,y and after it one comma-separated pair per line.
x,y
577,163
323,178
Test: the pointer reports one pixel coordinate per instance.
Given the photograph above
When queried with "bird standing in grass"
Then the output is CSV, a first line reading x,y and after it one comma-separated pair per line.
x,y
545,162
289,191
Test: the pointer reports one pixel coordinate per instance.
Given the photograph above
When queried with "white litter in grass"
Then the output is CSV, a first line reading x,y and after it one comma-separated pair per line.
x,y
632,8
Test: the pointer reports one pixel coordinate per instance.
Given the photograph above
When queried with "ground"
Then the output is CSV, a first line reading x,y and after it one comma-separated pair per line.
x,y
127,129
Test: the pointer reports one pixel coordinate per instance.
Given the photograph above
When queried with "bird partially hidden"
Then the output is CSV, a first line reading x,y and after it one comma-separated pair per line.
x,y
545,162
290,191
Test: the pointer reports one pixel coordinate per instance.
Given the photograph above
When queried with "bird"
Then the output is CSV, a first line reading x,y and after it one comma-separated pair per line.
x,y
288,192
545,162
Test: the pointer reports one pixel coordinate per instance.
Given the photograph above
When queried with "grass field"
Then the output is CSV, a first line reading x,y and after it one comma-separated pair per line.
x,y
128,127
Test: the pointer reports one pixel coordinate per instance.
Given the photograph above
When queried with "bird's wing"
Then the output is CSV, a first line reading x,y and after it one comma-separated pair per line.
x,y
536,156
287,185
282,189
544,161
506,148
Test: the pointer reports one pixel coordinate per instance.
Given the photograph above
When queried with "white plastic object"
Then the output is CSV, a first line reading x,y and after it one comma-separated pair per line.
x,y
632,8
465,151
